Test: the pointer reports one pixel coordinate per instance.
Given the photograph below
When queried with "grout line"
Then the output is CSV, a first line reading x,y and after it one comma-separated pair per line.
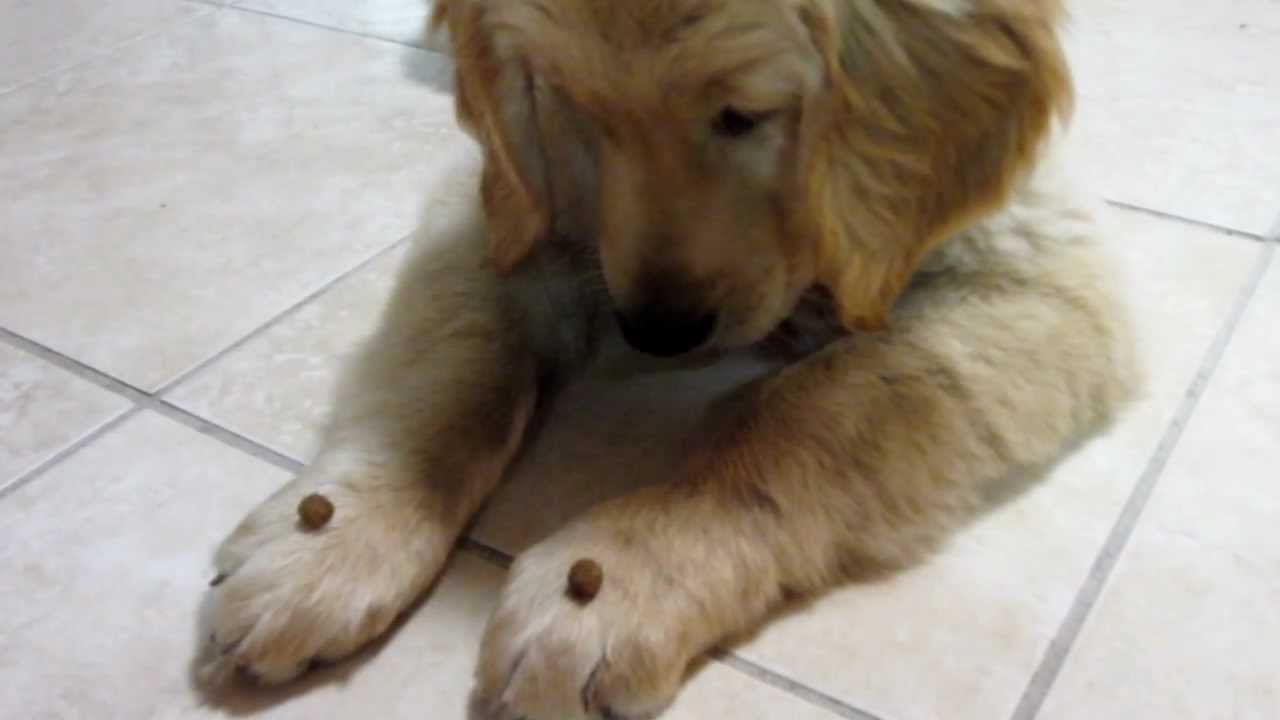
x,y
98,55
1055,657
227,437
279,317
791,687
35,473
335,29
1183,219
143,400
75,367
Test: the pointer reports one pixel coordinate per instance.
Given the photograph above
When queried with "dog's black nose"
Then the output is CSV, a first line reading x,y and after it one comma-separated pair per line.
x,y
665,331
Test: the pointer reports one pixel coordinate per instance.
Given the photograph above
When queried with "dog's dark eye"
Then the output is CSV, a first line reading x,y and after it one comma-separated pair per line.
x,y
733,123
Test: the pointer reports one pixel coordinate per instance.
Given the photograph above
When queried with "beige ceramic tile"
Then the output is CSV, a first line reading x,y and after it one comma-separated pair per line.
x,y
43,409
1188,626
399,20
41,36
958,637
107,557
1177,105
108,554
167,202
277,388
720,692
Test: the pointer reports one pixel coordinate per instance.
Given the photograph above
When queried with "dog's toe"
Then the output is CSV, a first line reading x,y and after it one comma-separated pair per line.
x,y
284,599
551,653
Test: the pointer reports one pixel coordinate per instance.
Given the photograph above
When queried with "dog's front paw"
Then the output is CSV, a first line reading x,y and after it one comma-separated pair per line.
x,y
286,594
612,646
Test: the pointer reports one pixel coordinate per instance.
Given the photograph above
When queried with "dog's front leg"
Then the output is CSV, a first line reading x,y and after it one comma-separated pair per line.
x,y
425,422
861,457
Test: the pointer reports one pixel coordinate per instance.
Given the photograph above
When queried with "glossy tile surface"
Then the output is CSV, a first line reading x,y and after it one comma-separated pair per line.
x,y
1187,627
277,388
44,409
1177,105
166,203
398,20
39,37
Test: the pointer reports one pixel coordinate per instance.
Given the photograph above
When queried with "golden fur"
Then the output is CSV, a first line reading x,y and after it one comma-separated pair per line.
x,y
859,182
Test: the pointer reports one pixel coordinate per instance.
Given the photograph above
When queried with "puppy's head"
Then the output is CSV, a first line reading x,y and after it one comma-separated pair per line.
x,y
726,155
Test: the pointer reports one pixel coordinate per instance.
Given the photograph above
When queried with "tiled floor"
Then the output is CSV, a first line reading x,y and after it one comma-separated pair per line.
x,y
203,204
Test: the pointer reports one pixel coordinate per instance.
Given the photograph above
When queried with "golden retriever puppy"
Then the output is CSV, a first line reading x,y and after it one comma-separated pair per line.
x,y
856,182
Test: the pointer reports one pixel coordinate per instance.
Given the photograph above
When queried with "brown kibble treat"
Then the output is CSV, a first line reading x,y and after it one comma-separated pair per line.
x,y
585,579
315,510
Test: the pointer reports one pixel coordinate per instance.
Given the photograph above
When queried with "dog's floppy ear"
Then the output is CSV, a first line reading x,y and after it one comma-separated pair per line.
x,y
931,113
494,98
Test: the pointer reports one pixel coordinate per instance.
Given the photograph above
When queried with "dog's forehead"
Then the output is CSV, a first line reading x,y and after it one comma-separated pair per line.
x,y
638,25
602,46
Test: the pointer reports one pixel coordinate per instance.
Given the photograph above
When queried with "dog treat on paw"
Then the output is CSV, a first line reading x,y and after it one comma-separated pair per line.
x,y
585,579
315,510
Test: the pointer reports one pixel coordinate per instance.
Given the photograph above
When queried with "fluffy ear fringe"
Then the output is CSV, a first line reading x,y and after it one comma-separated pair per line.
x,y
494,99
929,121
